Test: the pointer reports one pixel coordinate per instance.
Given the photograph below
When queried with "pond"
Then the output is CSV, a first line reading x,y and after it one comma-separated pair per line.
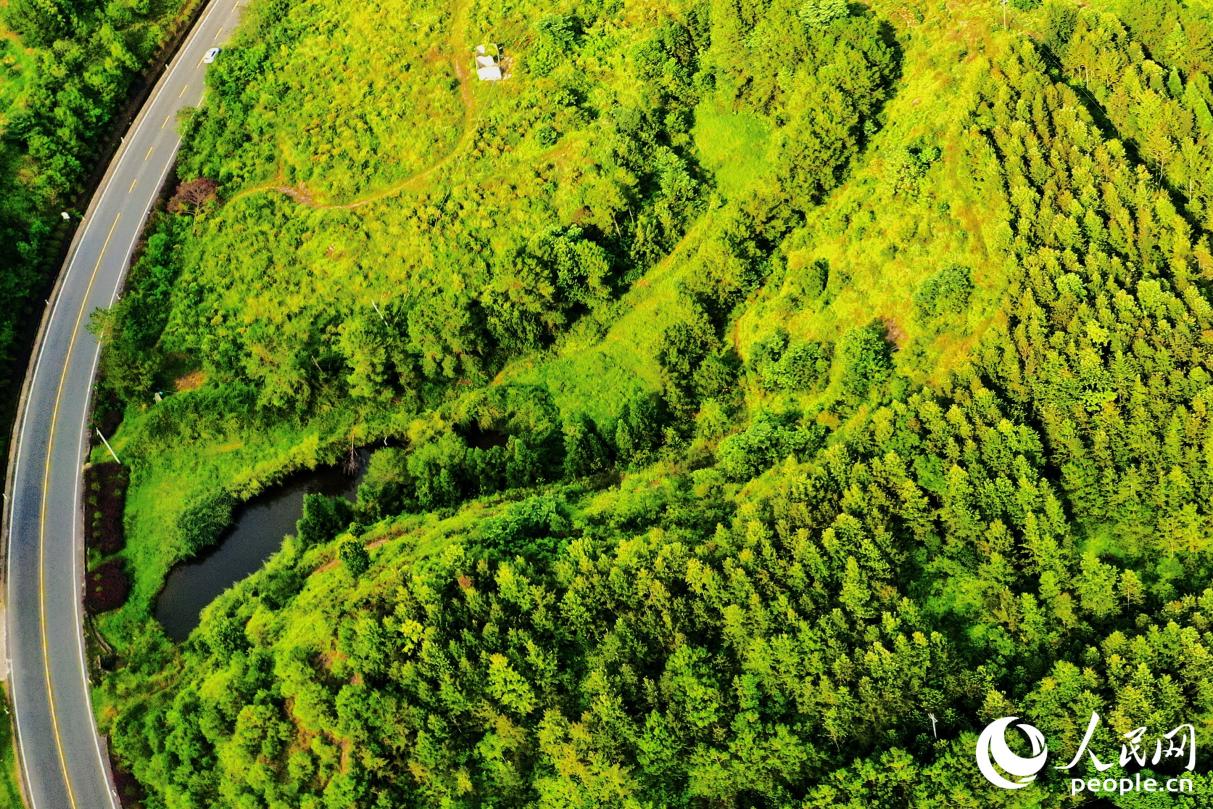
x,y
259,528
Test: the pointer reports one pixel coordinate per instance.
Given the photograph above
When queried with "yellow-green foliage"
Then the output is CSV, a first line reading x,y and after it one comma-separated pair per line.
x,y
902,217
733,146
15,63
375,97
717,479
332,290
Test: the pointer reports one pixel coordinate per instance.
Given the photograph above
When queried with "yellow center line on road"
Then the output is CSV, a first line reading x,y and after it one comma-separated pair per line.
x,y
134,182
183,89
167,118
46,484
149,152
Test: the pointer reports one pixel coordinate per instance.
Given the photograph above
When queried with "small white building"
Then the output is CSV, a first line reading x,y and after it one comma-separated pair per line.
x,y
488,67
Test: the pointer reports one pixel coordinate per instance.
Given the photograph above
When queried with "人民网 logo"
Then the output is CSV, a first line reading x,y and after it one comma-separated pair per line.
x,y
993,754
1008,770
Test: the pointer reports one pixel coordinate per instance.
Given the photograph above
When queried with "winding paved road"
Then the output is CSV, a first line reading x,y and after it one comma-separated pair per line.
x,y
61,755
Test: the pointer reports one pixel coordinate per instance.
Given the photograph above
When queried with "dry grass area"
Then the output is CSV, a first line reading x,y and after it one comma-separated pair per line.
x,y
191,381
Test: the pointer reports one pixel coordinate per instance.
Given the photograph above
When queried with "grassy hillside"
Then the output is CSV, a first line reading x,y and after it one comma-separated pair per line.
x,y
767,396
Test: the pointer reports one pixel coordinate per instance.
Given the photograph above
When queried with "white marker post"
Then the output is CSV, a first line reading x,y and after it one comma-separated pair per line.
x,y
107,446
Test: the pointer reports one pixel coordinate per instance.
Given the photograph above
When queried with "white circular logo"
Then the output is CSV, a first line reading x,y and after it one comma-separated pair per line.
x,y
992,744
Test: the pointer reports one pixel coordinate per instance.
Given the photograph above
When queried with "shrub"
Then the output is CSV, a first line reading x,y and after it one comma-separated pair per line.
x,y
866,360
585,453
355,557
638,431
769,438
323,518
532,529
947,292
203,521
778,363
387,488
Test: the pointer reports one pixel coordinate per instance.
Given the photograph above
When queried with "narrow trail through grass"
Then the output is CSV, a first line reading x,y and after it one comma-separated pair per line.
x,y
459,56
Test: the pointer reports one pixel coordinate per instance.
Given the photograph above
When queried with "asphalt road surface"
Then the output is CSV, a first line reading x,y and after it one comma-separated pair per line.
x,y
61,755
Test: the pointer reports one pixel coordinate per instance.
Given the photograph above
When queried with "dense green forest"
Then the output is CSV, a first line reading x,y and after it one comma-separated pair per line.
x,y
764,395
66,67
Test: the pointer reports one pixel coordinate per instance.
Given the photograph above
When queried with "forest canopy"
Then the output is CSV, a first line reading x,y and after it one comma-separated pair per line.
x,y
760,398
65,69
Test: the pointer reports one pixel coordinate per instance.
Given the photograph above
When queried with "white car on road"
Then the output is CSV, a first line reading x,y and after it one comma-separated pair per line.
x,y
210,55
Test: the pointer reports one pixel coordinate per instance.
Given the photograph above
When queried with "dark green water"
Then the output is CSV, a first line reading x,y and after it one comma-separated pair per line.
x,y
259,528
